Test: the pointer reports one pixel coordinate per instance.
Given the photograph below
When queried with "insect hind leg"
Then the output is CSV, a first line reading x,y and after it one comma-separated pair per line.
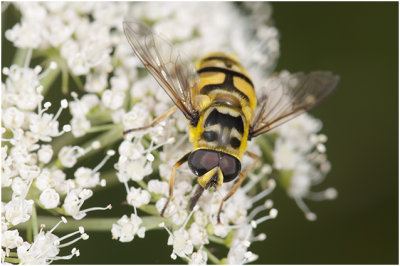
x,y
154,123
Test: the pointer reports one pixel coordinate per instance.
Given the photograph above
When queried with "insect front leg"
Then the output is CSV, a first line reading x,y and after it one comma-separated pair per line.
x,y
239,182
172,180
155,121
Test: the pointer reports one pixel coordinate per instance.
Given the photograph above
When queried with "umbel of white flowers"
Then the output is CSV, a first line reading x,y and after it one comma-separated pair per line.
x,y
84,41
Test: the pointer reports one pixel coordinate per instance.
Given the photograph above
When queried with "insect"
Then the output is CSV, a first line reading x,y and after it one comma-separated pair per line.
x,y
218,99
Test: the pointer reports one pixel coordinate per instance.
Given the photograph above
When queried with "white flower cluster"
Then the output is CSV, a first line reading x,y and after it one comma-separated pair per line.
x,y
115,93
299,154
28,160
33,168
45,247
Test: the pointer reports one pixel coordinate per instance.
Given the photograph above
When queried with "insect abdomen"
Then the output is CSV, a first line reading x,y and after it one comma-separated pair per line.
x,y
222,73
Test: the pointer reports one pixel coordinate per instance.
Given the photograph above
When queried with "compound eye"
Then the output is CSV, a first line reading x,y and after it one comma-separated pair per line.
x,y
230,167
202,161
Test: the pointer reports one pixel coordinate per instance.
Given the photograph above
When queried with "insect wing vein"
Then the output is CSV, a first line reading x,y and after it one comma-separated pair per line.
x,y
176,75
287,97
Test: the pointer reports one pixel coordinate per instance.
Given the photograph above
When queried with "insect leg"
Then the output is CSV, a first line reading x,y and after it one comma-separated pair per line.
x,y
239,182
155,121
172,179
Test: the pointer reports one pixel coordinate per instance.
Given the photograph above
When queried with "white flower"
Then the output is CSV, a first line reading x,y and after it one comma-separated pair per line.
x,y
69,155
7,172
44,126
21,87
19,187
118,115
300,185
126,228
18,210
56,31
13,118
29,172
238,252
137,117
178,216
80,126
120,80
181,243
221,230
138,197
96,81
49,198
88,50
10,239
158,187
113,99
131,150
58,180
86,178
45,153
198,258
134,169
80,107
198,235
43,180
25,35
285,156
46,246
74,200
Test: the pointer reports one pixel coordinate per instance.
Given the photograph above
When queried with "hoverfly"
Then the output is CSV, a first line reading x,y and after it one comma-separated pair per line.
x,y
218,99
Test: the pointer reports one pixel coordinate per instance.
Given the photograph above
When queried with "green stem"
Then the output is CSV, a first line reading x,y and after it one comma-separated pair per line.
x,y
93,224
34,221
77,81
111,180
12,260
216,240
50,77
105,139
29,237
19,57
64,80
142,184
149,209
13,254
211,257
101,128
152,222
98,116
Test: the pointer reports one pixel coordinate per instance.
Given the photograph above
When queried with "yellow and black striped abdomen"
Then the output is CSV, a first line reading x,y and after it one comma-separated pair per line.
x,y
221,72
224,121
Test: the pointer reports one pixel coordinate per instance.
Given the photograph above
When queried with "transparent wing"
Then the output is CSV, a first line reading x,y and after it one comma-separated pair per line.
x,y
175,75
285,97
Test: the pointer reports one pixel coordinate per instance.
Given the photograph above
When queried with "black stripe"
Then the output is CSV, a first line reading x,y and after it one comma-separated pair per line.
x,y
225,71
225,59
225,120
226,85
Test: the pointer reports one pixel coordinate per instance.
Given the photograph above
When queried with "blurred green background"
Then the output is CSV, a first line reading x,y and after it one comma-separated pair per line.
x,y
359,42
